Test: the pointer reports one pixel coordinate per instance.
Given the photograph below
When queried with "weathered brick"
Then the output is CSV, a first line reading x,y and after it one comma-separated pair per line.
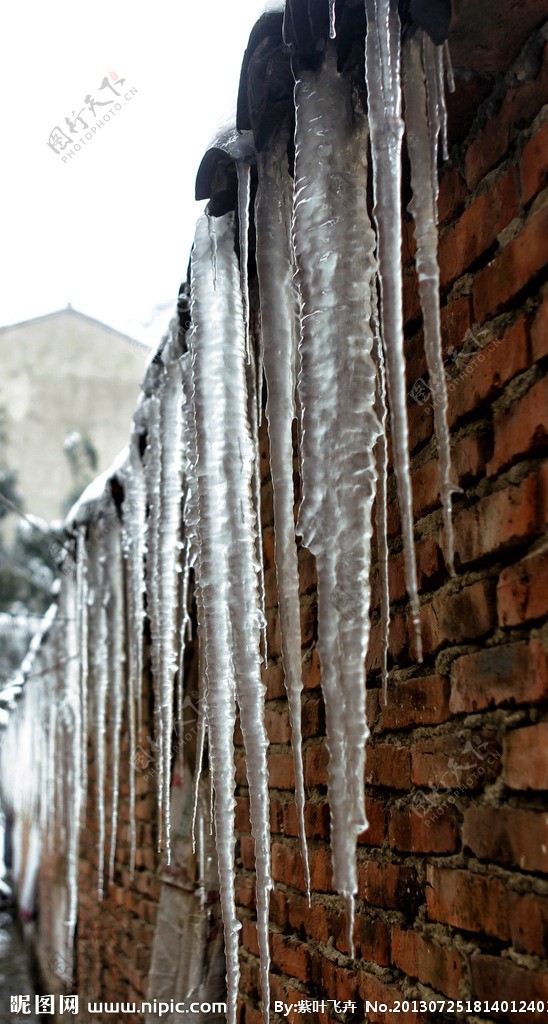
x,y
508,517
539,332
526,757
467,900
421,701
533,165
496,979
375,813
457,617
522,429
516,266
466,239
389,885
371,938
488,369
417,833
507,674
388,765
455,761
291,956
520,103
522,590
508,835
420,957
529,923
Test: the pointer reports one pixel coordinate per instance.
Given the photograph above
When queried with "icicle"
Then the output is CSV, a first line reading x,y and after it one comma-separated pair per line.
x,y
381,459
243,170
82,648
332,20
227,576
168,564
382,65
438,63
97,637
153,478
422,207
254,372
334,251
72,743
273,218
116,645
134,544
192,525
213,240
449,67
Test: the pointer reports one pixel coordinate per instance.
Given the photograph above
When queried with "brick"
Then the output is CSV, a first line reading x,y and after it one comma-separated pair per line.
x,y
431,833
291,956
488,370
455,761
314,921
520,104
281,772
453,194
508,674
421,701
516,266
420,957
277,724
371,938
508,835
287,865
467,900
496,979
388,765
533,165
522,590
311,670
316,760
375,993
504,519
526,757
457,617
529,923
522,429
375,813
539,332
313,717
474,232
393,886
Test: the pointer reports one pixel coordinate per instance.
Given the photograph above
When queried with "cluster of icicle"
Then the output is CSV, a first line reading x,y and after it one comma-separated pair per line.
x,y
331,349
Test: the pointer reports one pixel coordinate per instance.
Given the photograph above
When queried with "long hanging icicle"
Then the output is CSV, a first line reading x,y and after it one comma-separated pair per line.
x,y
116,649
134,547
254,369
334,251
153,478
171,396
381,458
382,68
279,342
98,661
227,575
422,143
71,712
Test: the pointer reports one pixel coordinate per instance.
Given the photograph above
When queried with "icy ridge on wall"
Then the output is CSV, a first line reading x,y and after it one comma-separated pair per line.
x,y
179,514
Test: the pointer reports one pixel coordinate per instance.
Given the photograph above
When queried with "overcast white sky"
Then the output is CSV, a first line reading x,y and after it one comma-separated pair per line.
x,y
110,229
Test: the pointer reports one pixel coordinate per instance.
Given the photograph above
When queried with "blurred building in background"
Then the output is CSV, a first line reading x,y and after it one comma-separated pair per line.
x,y
68,390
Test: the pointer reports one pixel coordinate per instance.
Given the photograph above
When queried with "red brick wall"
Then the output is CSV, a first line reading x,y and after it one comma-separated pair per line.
x,y
453,871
